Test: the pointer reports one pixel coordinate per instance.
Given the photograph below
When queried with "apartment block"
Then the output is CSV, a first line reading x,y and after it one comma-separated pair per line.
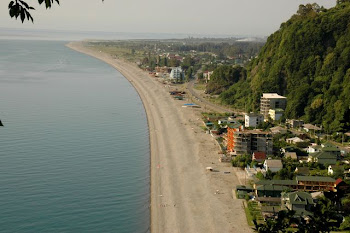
x,y
271,101
253,119
249,141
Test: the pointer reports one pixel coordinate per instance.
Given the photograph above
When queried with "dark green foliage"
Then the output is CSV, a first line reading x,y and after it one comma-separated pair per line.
x,y
223,77
308,61
324,219
241,161
21,8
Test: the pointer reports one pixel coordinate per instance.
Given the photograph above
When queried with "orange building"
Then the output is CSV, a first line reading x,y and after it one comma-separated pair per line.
x,y
231,129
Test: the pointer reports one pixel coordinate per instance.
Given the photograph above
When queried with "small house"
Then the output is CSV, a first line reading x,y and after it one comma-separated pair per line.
x,y
274,165
323,158
300,202
294,140
302,171
311,128
259,156
292,155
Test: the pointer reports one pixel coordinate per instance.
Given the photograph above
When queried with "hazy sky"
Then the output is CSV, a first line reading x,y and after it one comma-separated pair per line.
x,y
231,17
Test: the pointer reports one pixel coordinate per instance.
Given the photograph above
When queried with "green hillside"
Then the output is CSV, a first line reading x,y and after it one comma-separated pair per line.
x,y
308,61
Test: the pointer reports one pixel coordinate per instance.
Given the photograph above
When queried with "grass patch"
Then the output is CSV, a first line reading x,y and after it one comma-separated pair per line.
x,y
199,86
249,217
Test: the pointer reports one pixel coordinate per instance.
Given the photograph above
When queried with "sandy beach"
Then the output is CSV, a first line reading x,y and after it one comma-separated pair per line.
x,y
184,195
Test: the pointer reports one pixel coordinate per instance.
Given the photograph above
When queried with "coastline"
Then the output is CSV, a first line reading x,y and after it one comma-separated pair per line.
x,y
182,194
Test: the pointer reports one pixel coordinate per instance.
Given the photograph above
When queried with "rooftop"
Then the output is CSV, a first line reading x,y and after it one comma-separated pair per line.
x,y
253,114
315,178
273,96
310,126
324,155
274,163
299,198
271,187
276,182
259,155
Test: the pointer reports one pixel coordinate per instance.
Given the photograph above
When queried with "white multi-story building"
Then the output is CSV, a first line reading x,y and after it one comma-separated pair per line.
x,y
177,74
253,119
271,101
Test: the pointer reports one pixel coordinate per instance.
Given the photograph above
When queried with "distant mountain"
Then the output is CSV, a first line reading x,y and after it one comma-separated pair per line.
x,y
308,61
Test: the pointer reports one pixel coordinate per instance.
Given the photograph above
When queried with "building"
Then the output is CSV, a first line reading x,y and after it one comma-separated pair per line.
x,y
206,75
274,165
253,119
259,156
302,171
249,141
294,123
302,183
276,113
335,168
292,155
294,140
311,128
269,190
300,202
313,149
271,101
231,129
323,157
278,130
177,74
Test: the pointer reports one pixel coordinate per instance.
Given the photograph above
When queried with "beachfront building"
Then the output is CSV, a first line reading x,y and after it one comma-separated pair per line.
x,y
249,141
302,183
177,74
231,129
271,101
253,119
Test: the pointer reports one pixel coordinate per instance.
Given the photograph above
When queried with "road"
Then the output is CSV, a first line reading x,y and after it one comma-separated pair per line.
x,y
205,103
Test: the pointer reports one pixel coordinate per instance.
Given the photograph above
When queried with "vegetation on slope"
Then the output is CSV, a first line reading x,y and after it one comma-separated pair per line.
x,y
308,61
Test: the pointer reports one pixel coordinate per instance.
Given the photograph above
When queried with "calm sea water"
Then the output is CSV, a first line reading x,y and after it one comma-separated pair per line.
x,y
74,152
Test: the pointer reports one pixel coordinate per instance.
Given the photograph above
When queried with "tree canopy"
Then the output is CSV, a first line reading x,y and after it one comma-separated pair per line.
x,y
21,9
308,61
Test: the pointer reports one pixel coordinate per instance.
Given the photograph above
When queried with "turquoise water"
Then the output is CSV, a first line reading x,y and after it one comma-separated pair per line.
x,y
74,152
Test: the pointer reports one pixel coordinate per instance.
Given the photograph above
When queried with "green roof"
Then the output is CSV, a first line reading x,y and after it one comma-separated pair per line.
x,y
271,187
276,182
315,178
327,161
327,144
299,198
324,155
244,187
333,149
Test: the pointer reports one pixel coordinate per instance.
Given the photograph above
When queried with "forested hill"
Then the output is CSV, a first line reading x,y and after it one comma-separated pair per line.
x,y
307,60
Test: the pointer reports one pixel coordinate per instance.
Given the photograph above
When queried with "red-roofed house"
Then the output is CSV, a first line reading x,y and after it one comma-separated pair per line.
x,y
259,156
341,186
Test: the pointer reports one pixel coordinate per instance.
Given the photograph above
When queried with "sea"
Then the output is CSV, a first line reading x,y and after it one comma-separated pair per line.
x,y
74,149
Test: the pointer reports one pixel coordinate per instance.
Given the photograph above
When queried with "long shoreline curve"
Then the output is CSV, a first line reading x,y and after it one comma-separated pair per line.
x,y
183,196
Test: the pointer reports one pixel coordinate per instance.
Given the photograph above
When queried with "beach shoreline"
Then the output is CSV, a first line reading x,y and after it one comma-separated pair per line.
x,y
183,195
